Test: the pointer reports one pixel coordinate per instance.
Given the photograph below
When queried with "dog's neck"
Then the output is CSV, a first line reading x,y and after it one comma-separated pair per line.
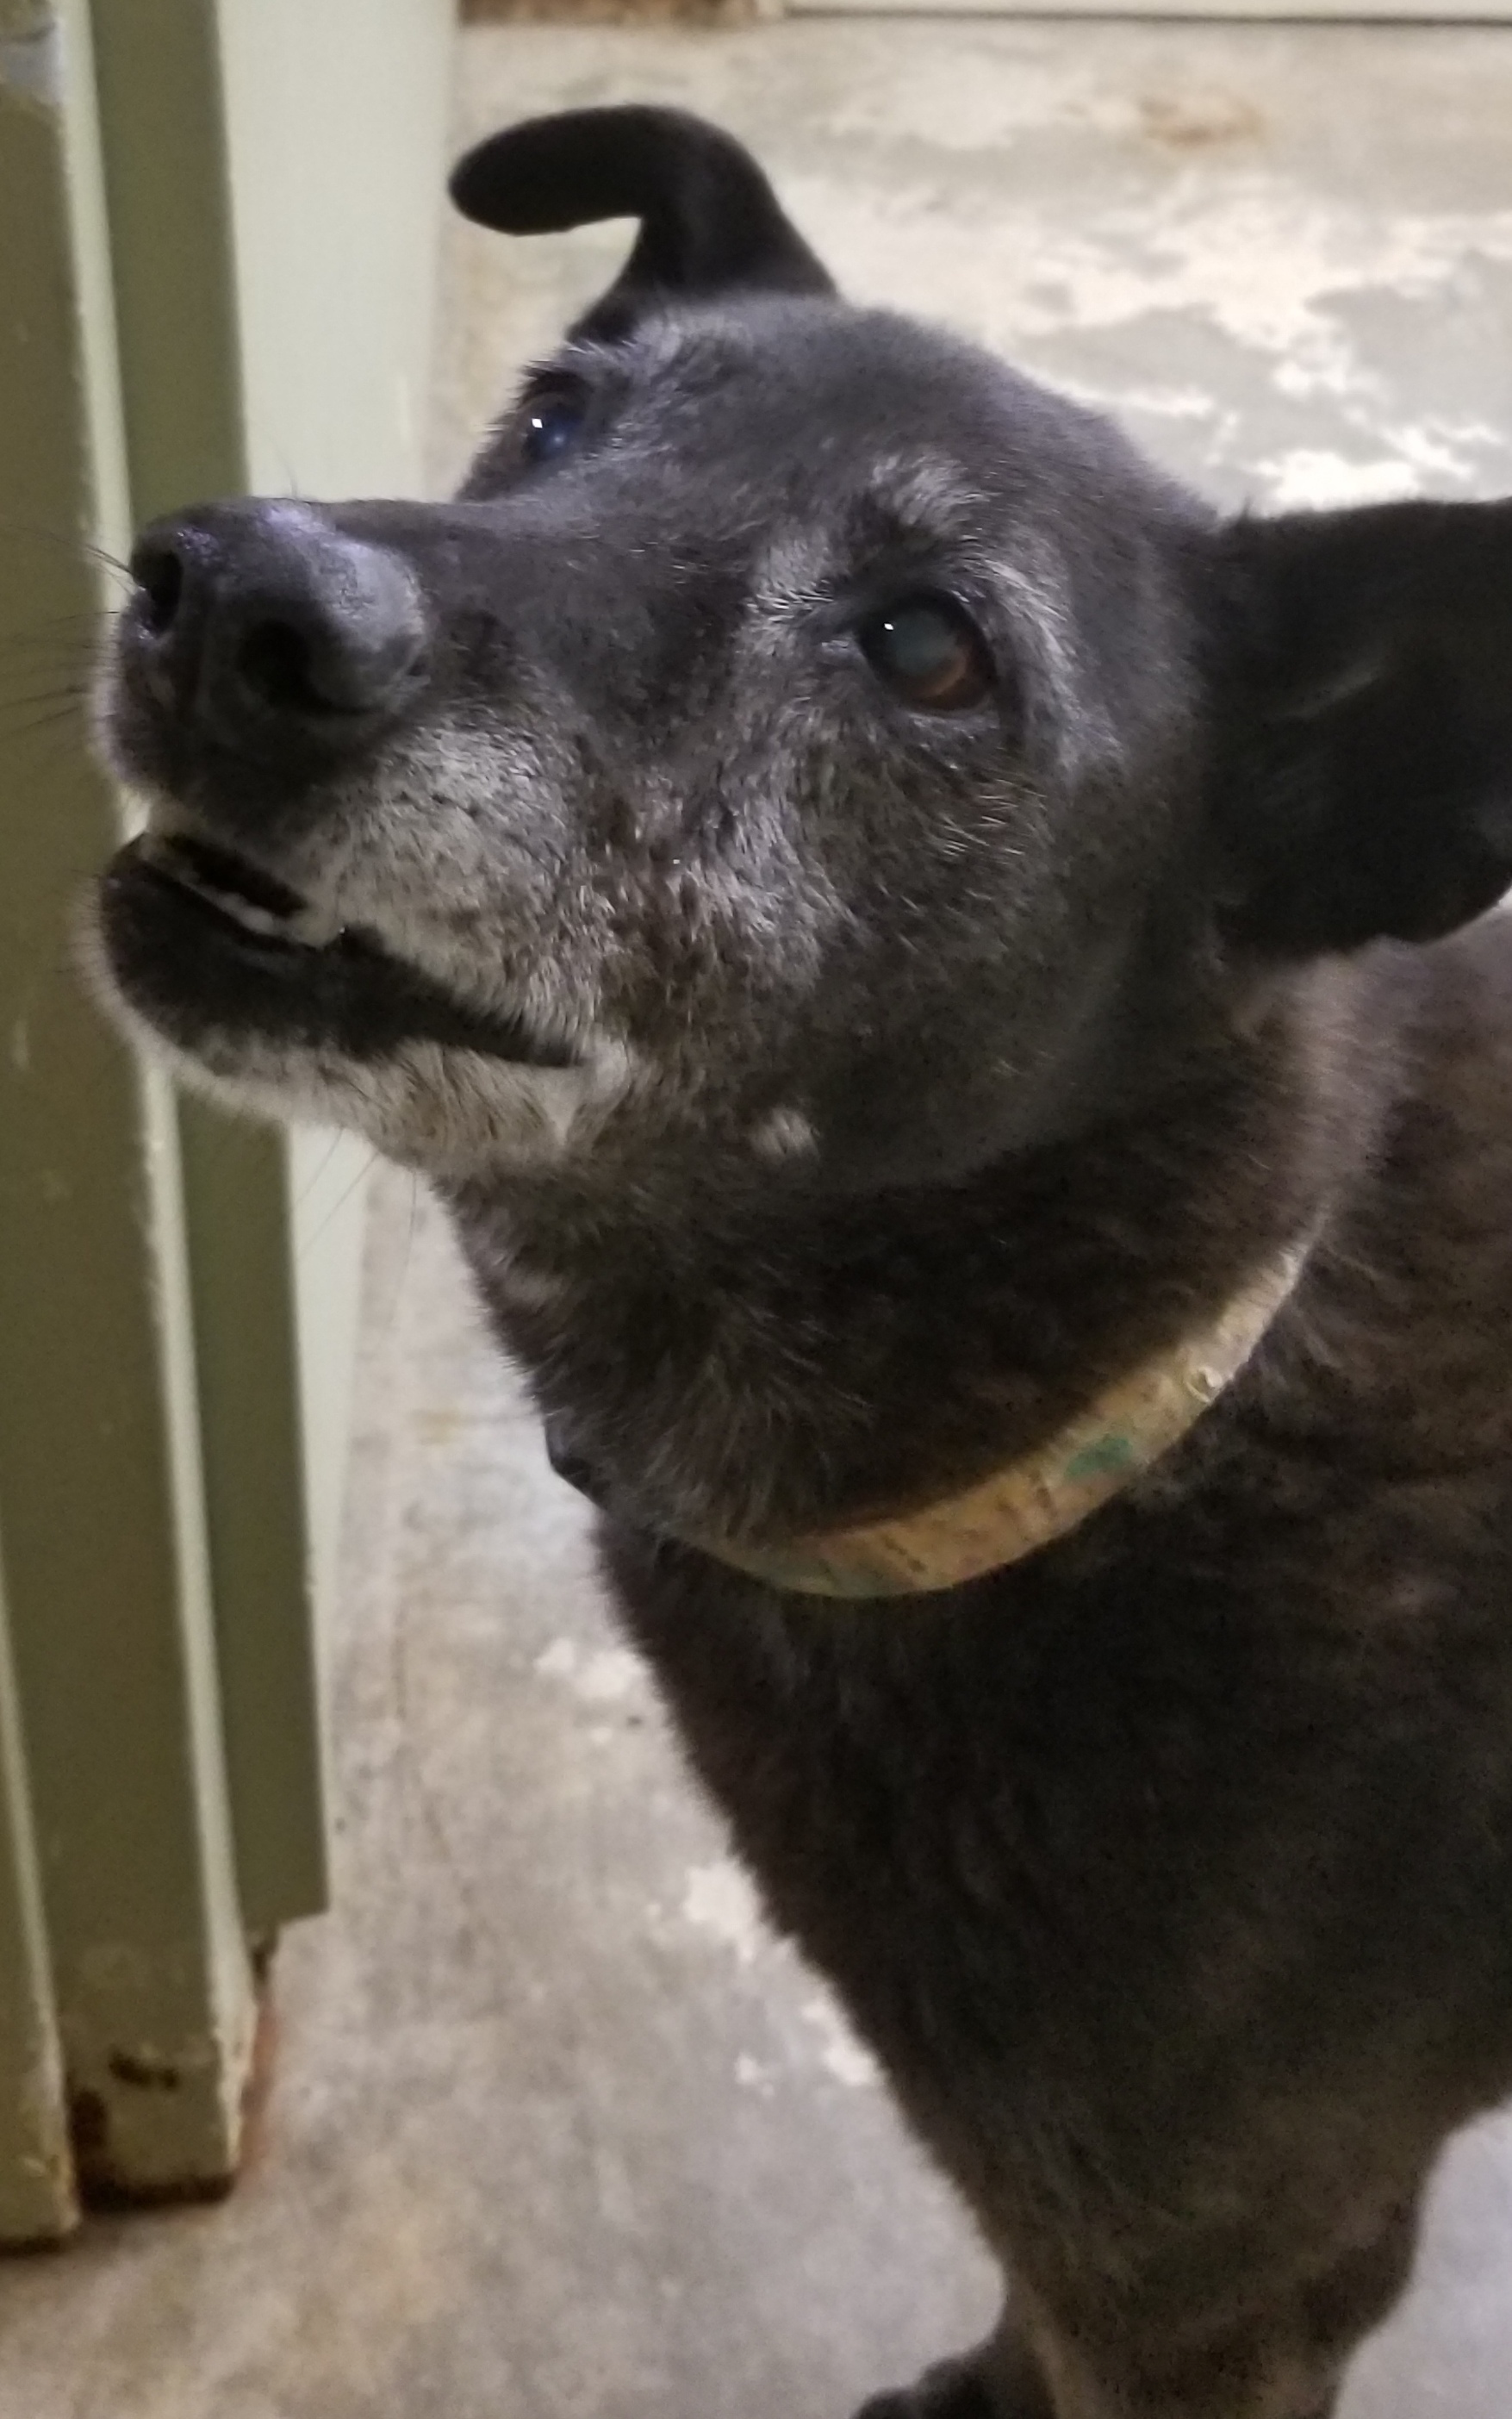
x,y
1041,1495
761,1378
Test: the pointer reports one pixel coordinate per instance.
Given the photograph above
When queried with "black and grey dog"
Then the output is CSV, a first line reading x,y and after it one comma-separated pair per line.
x,y
884,921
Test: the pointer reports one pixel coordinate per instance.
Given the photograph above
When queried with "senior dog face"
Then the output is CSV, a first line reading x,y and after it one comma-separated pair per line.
x,y
806,749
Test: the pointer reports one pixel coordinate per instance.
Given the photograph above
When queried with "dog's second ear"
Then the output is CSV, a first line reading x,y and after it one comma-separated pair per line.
x,y
710,223
1370,793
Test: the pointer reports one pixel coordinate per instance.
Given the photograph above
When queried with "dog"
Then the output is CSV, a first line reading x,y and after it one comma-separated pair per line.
x,y
949,992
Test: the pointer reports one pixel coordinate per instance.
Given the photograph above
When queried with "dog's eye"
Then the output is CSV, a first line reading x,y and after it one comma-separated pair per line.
x,y
929,653
551,425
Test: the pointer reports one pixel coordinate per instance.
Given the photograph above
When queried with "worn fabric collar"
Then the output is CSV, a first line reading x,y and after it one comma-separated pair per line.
x,y
1037,1498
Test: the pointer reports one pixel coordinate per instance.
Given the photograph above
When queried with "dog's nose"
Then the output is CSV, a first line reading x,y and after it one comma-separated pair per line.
x,y
272,631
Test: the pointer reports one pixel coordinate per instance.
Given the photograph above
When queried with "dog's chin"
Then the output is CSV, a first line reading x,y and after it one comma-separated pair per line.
x,y
250,996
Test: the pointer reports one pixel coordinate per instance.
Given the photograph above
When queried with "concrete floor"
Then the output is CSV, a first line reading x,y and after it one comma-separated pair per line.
x,y
558,2133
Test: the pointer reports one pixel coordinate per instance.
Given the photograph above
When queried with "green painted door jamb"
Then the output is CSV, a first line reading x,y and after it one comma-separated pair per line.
x,y
103,1517
37,2200
163,149
171,233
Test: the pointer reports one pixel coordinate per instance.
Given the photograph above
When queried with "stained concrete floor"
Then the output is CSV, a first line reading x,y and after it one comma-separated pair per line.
x,y
557,2129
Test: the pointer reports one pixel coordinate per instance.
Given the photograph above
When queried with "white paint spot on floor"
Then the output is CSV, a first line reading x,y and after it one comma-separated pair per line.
x,y
1176,250
609,1676
1439,451
559,1660
719,1899
1291,283
1310,476
1166,402
841,2055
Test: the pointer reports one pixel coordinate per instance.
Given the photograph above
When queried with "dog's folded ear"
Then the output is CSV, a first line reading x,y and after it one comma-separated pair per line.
x,y
1369,790
709,222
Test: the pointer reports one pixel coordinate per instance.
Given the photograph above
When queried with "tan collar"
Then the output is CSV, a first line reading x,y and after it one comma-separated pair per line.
x,y
1015,1510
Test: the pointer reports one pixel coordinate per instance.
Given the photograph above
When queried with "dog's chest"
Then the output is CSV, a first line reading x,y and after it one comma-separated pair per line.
x,y
1125,1808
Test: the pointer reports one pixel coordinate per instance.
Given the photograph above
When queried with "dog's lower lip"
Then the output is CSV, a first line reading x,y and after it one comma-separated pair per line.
x,y
262,910
217,869
193,938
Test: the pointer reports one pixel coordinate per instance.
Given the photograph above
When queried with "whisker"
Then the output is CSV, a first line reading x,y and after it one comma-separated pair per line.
x,y
56,716
110,562
25,717
312,1179
72,542
90,616
71,692
386,1324
60,656
58,671
61,661
337,1206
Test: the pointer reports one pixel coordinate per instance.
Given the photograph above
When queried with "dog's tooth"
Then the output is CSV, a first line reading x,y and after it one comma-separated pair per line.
x,y
313,928
253,919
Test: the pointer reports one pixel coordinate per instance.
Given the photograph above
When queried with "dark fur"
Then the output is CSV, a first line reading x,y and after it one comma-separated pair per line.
x,y
963,1061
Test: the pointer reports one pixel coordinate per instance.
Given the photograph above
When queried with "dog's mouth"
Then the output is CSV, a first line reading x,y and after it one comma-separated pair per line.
x,y
265,913
200,942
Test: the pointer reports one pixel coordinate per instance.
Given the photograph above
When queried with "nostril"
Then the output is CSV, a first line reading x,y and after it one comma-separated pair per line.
x,y
275,662
158,573
327,667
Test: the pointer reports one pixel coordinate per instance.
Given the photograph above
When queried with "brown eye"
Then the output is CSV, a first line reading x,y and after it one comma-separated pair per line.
x,y
929,653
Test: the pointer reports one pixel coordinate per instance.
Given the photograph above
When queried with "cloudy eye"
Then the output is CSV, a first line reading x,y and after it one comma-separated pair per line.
x,y
929,653
550,426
